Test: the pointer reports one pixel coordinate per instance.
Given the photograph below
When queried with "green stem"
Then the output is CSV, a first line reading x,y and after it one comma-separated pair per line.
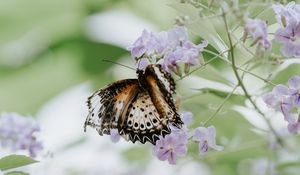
x,y
220,107
245,71
240,82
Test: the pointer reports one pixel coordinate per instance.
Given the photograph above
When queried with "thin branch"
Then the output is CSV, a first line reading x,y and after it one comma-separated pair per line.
x,y
240,82
220,106
246,71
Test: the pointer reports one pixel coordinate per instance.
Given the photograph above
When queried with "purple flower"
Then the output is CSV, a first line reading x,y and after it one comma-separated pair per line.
x,y
294,85
114,135
18,133
142,64
187,53
258,30
145,44
186,117
290,37
168,48
287,14
285,99
177,35
279,99
174,144
206,138
294,127
170,146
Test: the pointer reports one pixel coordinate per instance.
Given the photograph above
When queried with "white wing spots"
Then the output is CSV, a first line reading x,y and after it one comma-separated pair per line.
x,y
143,114
143,121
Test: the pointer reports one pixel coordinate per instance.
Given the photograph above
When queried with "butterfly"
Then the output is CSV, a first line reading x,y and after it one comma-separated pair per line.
x,y
140,109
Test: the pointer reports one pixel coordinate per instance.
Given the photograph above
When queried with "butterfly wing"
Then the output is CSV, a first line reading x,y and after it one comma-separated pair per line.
x,y
161,87
107,105
141,109
143,122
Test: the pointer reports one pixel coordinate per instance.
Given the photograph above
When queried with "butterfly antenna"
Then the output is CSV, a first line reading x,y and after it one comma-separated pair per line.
x,y
109,61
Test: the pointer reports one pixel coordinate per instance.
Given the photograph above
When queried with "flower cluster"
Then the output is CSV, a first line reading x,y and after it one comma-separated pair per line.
x,y
18,133
289,33
168,48
207,139
286,100
175,144
258,30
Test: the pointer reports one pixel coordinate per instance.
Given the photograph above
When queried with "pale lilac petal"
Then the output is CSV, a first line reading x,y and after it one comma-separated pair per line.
x,y
266,43
270,99
217,147
114,135
203,147
186,117
281,90
286,105
181,150
19,133
206,138
162,42
176,35
282,35
202,45
145,44
172,158
170,146
200,134
163,154
290,37
294,127
290,118
294,82
211,138
288,49
258,30
290,13
142,64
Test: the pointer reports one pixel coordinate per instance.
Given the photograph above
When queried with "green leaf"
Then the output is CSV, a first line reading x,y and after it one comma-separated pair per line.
x,y
16,173
15,161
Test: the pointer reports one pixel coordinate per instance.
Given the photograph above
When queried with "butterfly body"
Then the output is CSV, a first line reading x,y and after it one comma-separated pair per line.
x,y
141,109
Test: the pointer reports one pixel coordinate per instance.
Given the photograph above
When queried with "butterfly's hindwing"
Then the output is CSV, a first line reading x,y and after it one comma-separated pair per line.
x,y
143,122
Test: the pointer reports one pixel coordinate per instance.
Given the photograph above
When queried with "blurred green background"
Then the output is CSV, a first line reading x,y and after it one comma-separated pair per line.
x,y
45,46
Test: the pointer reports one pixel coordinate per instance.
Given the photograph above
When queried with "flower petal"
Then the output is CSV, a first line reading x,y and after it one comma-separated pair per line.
x,y
114,135
294,82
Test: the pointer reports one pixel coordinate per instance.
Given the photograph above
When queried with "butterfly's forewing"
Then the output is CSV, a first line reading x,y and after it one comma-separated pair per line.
x,y
107,105
161,88
143,122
